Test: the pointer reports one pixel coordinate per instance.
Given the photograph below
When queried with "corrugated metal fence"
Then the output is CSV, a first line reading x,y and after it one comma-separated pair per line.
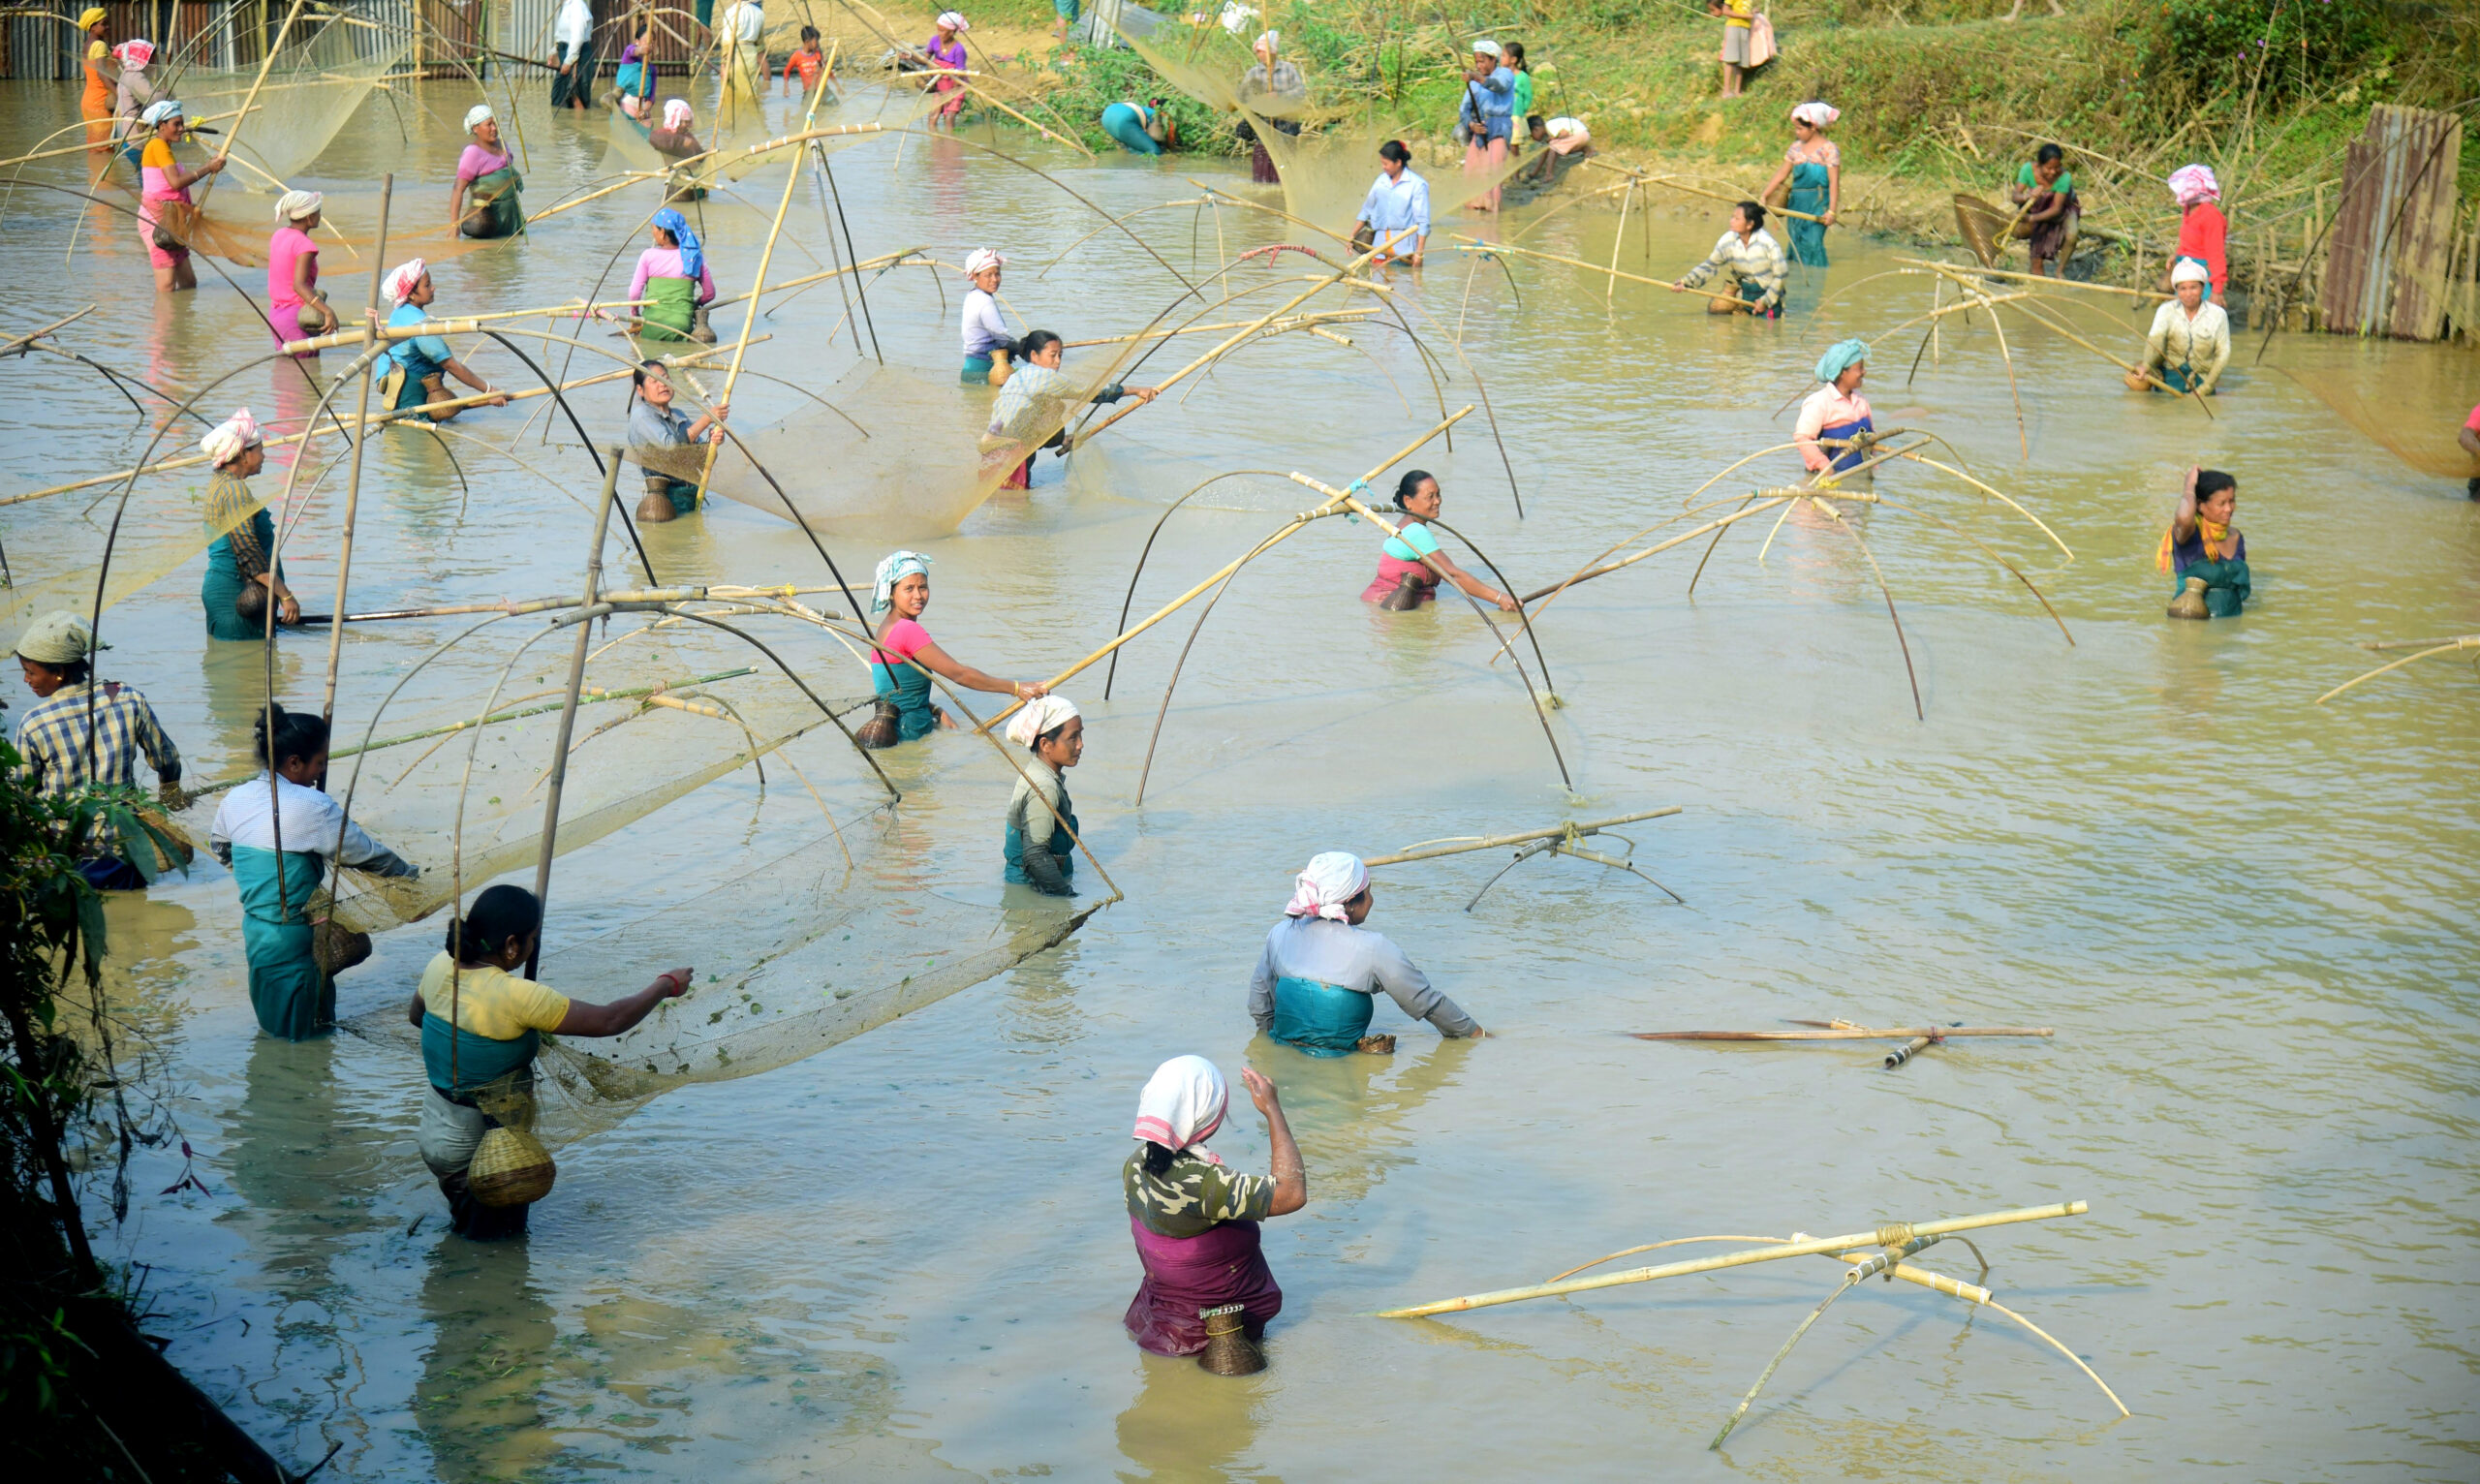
x,y
2393,250
447,32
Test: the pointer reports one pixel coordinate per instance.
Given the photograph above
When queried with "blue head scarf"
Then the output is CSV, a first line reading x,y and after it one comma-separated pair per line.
x,y
898,566
1840,357
692,255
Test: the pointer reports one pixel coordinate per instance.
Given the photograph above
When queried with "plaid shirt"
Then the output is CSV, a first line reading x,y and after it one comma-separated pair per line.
x,y
1757,261
51,737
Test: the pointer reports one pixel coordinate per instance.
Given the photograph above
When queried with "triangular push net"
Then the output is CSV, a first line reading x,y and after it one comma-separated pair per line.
x,y
311,90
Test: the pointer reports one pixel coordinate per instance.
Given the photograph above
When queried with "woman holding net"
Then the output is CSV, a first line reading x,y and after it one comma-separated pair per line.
x,y
1409,563
165,214
906,657
481,1027
484,202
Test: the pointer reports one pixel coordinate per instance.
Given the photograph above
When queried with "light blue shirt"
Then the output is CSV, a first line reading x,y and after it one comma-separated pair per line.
x,y
1491,99
1396,205
432,347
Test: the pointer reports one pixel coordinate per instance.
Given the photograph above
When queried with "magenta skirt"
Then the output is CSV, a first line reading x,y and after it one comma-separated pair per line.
x,y
1390,571
1184,1275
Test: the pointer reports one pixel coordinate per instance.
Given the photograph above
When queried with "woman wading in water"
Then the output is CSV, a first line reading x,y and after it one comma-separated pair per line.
x,y
1317,979
1194,1218
2203,551
239,578
1409,563
1041,819
487,1048
906,657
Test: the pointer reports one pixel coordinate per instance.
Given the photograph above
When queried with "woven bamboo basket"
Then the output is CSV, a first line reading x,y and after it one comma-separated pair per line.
x,y
510,1168
1984,226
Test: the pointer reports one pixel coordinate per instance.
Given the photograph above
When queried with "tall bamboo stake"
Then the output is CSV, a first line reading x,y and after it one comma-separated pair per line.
x,y
352,483
749,320
577,682
1892,1235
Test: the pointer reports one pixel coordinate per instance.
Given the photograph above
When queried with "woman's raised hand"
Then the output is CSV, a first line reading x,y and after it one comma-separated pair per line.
x,y
1261,1091
675,981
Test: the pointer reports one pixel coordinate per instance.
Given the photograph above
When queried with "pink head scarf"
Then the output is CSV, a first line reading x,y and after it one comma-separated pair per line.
x,y
1816,115
1182,1105
401,282
232,437
676,113
2192,183
1332,879
135,54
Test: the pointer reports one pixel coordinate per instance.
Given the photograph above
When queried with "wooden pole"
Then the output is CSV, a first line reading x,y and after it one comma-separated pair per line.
x,y
352,483
1578,263
1843,1033
1299,523
611,457
1493,841
1977,271
1894,1235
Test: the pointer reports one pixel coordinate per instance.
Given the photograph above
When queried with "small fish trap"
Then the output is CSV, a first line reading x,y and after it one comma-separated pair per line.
x,y
1228,1349
511,1166
1984,226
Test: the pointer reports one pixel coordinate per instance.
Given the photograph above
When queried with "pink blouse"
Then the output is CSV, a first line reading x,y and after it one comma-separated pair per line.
x,y
904,640
665,262
287,247
476,162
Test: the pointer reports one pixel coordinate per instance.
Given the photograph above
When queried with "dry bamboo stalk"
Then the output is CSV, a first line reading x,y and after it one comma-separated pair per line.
x,y
1977,271
2467,641
1493,841
1297,322
462,325
2131,370
352,485
882,261
576,681
1892,1235
1672,182
1867,1268
1844,1034
1300,523
632,177
31,336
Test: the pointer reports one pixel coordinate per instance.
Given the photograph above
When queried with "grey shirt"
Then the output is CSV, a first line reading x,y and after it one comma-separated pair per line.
x,y
1351,958
656,427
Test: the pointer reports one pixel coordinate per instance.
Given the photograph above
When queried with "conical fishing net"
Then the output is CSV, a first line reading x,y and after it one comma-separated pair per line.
x,y
1984,226
311,90
1210,64
2437,455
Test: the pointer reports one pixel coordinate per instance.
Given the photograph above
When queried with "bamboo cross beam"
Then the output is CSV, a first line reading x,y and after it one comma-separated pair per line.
x,y
1975,271
1895,1234
462,325
17,345
2436,647
632,177
1493,841
716,159
882,261
1300,523
1846,1032
1281,326
1594,267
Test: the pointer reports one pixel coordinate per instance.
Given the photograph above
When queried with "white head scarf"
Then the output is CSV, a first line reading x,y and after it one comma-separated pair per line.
x,y
232,437
1183,1104
2192,183
1268,41
892,569
402,280
2190,272
1332,879
676,113
1816,115
1038,716
159,110
1486,48
950,20
293,205
478,115
981,259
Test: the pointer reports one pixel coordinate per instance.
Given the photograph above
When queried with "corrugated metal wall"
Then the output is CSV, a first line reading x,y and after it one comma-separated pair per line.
x,y
2394,237
48,48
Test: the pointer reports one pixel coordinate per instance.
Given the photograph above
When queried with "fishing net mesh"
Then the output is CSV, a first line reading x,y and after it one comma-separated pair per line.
x,y
2385,426
311,87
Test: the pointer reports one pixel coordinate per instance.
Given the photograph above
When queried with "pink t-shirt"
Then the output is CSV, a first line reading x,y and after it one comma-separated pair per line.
x,y
2473,422
904,640
285,251
477,162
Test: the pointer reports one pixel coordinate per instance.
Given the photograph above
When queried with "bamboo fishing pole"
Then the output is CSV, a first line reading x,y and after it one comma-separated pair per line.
x,y
1977,271
1671,182
1297,322
1299,523
1494,841
1844,1033
1895,1234
1593,268
18,345
2445,647
765,259
576,680
462,325
353,482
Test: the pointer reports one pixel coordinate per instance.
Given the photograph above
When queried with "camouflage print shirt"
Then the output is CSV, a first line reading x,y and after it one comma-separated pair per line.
x,y
1193,1197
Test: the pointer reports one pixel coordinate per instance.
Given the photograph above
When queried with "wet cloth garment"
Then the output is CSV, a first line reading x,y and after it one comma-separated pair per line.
x,y
416,358
1753,267
2188,352
285,252
1038,400
493,204
572,42
1830,413
632,80
2050,238
1811,190
2227,584
234,557
52,740
1126,123
496,1025
1398,211
1399,556
661,277
1039,854
155,168
2204,234
1196,1230
1344,957
294,997
652,429
95,104
906,685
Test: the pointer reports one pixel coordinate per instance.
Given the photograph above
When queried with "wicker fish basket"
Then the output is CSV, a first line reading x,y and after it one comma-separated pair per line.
x,y
1228,1349
510,1168
1984,226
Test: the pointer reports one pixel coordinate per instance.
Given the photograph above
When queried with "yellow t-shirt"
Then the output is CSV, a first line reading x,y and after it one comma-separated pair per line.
x,y
492,1002
157,154
1736,12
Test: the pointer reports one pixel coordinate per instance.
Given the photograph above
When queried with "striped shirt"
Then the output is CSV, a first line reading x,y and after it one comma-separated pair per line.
x,y
1758,259
52,738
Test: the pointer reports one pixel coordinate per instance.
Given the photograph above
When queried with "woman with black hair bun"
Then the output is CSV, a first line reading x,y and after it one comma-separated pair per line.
x,y
1410,563
278,833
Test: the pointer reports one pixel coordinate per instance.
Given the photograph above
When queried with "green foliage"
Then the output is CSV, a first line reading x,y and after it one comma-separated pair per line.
x,y
2275,48
1099,76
